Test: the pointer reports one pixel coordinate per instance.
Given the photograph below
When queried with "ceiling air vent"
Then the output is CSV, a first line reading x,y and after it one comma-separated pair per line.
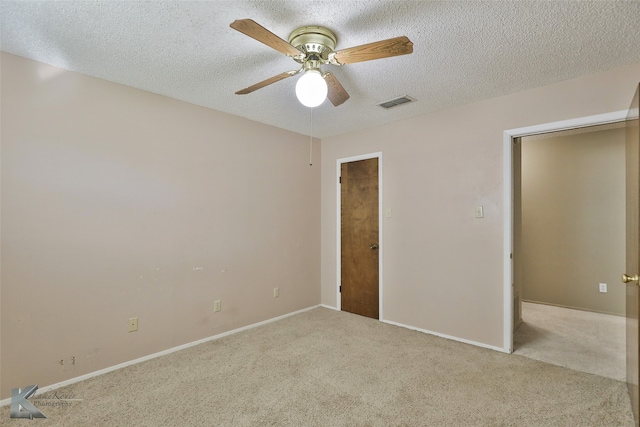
x,y
396,101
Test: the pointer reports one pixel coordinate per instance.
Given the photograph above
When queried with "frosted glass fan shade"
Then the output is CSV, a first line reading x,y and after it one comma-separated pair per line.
x,y
311,89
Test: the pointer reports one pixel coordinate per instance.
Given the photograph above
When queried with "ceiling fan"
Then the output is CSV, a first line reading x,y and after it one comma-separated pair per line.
x,y
313,46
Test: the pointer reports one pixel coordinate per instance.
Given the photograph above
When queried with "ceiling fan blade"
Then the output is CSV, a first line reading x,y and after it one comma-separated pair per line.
x,y
258,32
337,95
267,82
376,50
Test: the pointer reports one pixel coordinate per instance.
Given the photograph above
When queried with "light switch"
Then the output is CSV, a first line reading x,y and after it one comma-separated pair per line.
x,y
479,212
389,213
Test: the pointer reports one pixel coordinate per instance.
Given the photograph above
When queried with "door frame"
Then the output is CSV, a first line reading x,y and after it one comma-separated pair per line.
x,y
508,137
339,163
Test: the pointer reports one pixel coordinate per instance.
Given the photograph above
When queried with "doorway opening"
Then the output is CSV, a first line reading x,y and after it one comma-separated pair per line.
x,y
569,248
512,301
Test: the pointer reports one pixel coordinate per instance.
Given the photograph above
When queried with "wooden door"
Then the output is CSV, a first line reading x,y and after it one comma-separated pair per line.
x,y
633,253
359,237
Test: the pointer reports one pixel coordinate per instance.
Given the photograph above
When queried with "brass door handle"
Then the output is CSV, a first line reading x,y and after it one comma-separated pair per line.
x,y
373,247
628,279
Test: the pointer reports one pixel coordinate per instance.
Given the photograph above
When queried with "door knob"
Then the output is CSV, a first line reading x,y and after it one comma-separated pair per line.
x,y
373,247
628,279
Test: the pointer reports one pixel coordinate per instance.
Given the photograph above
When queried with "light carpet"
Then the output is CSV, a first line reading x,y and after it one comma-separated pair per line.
x,y
581,340
328,368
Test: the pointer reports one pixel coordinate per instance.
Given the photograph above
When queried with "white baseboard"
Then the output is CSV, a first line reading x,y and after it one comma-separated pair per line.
x,y
570,307
234,331
65,383
449,337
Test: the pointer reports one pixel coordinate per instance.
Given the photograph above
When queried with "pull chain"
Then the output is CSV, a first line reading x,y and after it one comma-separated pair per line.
x,y
311,138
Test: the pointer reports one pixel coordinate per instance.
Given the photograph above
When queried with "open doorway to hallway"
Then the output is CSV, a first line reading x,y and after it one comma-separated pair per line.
x,y
569,247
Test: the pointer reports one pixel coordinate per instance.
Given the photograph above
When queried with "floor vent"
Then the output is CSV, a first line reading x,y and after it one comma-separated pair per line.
x,y
397,101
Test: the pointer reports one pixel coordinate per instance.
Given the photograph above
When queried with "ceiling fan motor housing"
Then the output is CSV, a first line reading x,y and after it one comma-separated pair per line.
x,y
313,41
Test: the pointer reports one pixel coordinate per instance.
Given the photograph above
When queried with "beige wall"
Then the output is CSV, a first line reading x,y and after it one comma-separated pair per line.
x,y
573,220
443,268
113,198
119,203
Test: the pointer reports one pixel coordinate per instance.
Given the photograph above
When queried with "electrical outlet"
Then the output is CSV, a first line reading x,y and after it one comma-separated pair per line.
x,y
133,324
603,288
276,292
216,305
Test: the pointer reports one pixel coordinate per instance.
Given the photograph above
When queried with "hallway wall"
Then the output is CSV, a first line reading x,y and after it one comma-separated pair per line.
x,y
573,219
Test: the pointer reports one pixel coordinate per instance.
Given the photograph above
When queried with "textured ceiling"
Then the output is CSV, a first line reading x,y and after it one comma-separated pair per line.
x,y
464,51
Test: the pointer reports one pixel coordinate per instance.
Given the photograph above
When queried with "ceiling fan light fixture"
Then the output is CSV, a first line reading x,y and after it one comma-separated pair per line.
x,y
314,46
311,88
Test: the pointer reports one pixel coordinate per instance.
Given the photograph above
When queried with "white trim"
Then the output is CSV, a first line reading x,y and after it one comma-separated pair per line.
x,y
329,307
339,162
580,122
380,242
449,337
508,136
45,389
507,244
